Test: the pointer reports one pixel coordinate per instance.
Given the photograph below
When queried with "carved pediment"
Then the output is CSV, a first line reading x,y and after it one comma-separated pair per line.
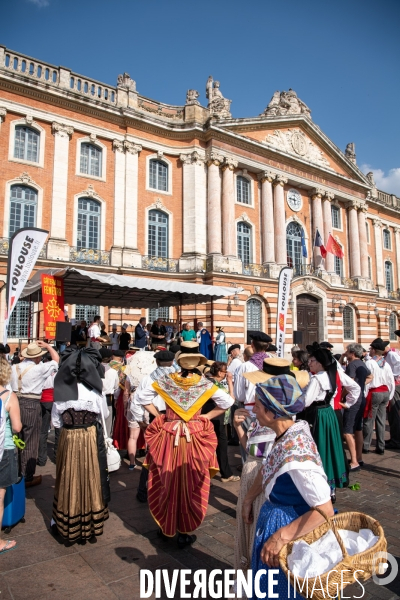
x,y
295,142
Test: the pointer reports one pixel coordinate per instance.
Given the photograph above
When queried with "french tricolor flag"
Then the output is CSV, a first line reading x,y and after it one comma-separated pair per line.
x,y
319,243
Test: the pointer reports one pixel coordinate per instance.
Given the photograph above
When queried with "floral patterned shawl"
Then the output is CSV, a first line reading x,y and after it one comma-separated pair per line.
x,y
295,450
184,395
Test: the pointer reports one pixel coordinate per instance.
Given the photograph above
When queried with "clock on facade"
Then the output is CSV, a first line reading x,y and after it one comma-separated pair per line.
x,y
294,200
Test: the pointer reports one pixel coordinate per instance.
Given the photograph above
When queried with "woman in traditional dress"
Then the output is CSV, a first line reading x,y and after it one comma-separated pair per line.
x,y
82,490
292,478
181,448
220,346
320,414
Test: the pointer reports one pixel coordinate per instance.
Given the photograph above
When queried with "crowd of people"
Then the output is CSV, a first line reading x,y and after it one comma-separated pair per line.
x,y
295,422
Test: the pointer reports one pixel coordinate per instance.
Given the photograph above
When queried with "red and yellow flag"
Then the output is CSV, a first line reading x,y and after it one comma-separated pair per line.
x,y
53,304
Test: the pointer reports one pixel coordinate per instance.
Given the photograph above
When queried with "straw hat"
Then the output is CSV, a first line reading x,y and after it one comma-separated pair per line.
x,y
33,351
190,361
188,348
277,366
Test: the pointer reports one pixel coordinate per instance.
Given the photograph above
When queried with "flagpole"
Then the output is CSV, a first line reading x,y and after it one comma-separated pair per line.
x,y
312,251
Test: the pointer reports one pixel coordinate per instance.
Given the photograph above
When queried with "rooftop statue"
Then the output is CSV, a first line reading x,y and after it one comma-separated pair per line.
x,y
125,81
286,103
350,152
217,104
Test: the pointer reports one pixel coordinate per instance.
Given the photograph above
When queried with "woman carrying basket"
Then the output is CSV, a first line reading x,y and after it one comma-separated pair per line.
x,y
292,477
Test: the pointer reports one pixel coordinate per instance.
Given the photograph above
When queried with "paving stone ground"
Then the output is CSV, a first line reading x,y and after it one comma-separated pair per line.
x,y
42,568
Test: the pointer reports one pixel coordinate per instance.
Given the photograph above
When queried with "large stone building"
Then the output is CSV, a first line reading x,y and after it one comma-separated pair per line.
x,y
135,186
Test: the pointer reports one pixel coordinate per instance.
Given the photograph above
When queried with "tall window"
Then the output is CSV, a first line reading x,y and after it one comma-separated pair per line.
x,y
23,208
389,276
369,267
348,323
158,234
159,313
243,190
386,239
335,217
293,244
392,326
367,228
254,314
91,159
244,243
89,214
338,266
18,325
86,312
158,175
26,143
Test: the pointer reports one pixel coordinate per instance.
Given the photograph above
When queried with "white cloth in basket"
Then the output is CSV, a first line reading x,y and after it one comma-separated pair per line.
x,y
324,554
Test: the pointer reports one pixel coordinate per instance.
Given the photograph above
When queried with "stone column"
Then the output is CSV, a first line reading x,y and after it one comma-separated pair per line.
x,y
267,217
194,212
327,218
280,220
397,241
228,208
354,240
214,221
317,223
362,232
57,245
130,254
380,273
119,203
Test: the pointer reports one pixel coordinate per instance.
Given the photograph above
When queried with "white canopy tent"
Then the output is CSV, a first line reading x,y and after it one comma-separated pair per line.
x,y
119,291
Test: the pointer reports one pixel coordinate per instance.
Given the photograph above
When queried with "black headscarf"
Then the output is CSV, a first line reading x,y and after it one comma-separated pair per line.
x,y
327,360
78,366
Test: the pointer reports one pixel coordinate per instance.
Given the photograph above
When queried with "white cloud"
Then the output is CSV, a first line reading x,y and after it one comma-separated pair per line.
x,y
389,183
40,3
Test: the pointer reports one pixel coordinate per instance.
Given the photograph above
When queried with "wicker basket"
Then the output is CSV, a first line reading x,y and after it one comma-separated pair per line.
x,y
352,521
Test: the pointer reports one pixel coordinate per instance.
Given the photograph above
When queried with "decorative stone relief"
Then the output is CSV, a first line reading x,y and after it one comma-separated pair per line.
x,y
90,191
125,81
3,112
132,148
25,178
158,204
93,137
62,130
266,176
160,154
217,104
280,180
350,152
286,103
245,217
229,163
295,142
193,158
377,223
191,97
29,119
214,158
118,145
257,289
309,285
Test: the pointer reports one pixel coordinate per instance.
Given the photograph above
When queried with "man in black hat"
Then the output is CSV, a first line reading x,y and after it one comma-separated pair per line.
x,y
392,357
165,364
379,392
244,389
326,345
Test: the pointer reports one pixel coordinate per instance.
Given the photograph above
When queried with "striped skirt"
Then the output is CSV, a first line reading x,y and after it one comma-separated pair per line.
x,y
78,507
244,535
179,473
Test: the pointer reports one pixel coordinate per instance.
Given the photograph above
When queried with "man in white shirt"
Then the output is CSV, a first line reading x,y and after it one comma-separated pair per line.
x,y
114,337
94,334
234,361
110,386
243,388
392,357
379,392
27,381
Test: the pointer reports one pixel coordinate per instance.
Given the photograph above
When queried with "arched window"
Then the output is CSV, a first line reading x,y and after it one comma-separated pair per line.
x,y
23,207
348,323
243,190
18,325
26,143
158,175
293,244
91,160
158,234
389,276
159,313
86,312
254,314
392,326
244,243
386,239
89,218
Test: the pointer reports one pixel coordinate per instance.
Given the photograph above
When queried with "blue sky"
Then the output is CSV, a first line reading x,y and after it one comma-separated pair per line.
x,y
341,57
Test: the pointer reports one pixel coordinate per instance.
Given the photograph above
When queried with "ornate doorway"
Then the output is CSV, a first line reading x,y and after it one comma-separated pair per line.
x,y
308,319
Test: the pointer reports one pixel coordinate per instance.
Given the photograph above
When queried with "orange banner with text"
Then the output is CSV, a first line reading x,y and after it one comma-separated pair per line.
x,y
53,304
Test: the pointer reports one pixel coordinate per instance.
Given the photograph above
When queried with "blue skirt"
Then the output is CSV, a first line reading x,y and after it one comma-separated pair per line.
x,y
271,518
220,353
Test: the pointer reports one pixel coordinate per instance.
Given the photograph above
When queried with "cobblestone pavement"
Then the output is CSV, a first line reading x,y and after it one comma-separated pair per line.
x,y
42,568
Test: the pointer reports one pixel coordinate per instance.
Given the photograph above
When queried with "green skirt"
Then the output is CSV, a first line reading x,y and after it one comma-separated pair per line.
x,y
330,446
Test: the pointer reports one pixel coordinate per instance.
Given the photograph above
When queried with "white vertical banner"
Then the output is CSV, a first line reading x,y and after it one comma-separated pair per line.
x,y
285,278
23,252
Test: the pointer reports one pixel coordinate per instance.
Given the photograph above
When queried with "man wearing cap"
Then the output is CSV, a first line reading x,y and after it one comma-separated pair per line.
x,y
234,361
379,393
140,334
124,338
114,337
27,381
392,357
243,388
